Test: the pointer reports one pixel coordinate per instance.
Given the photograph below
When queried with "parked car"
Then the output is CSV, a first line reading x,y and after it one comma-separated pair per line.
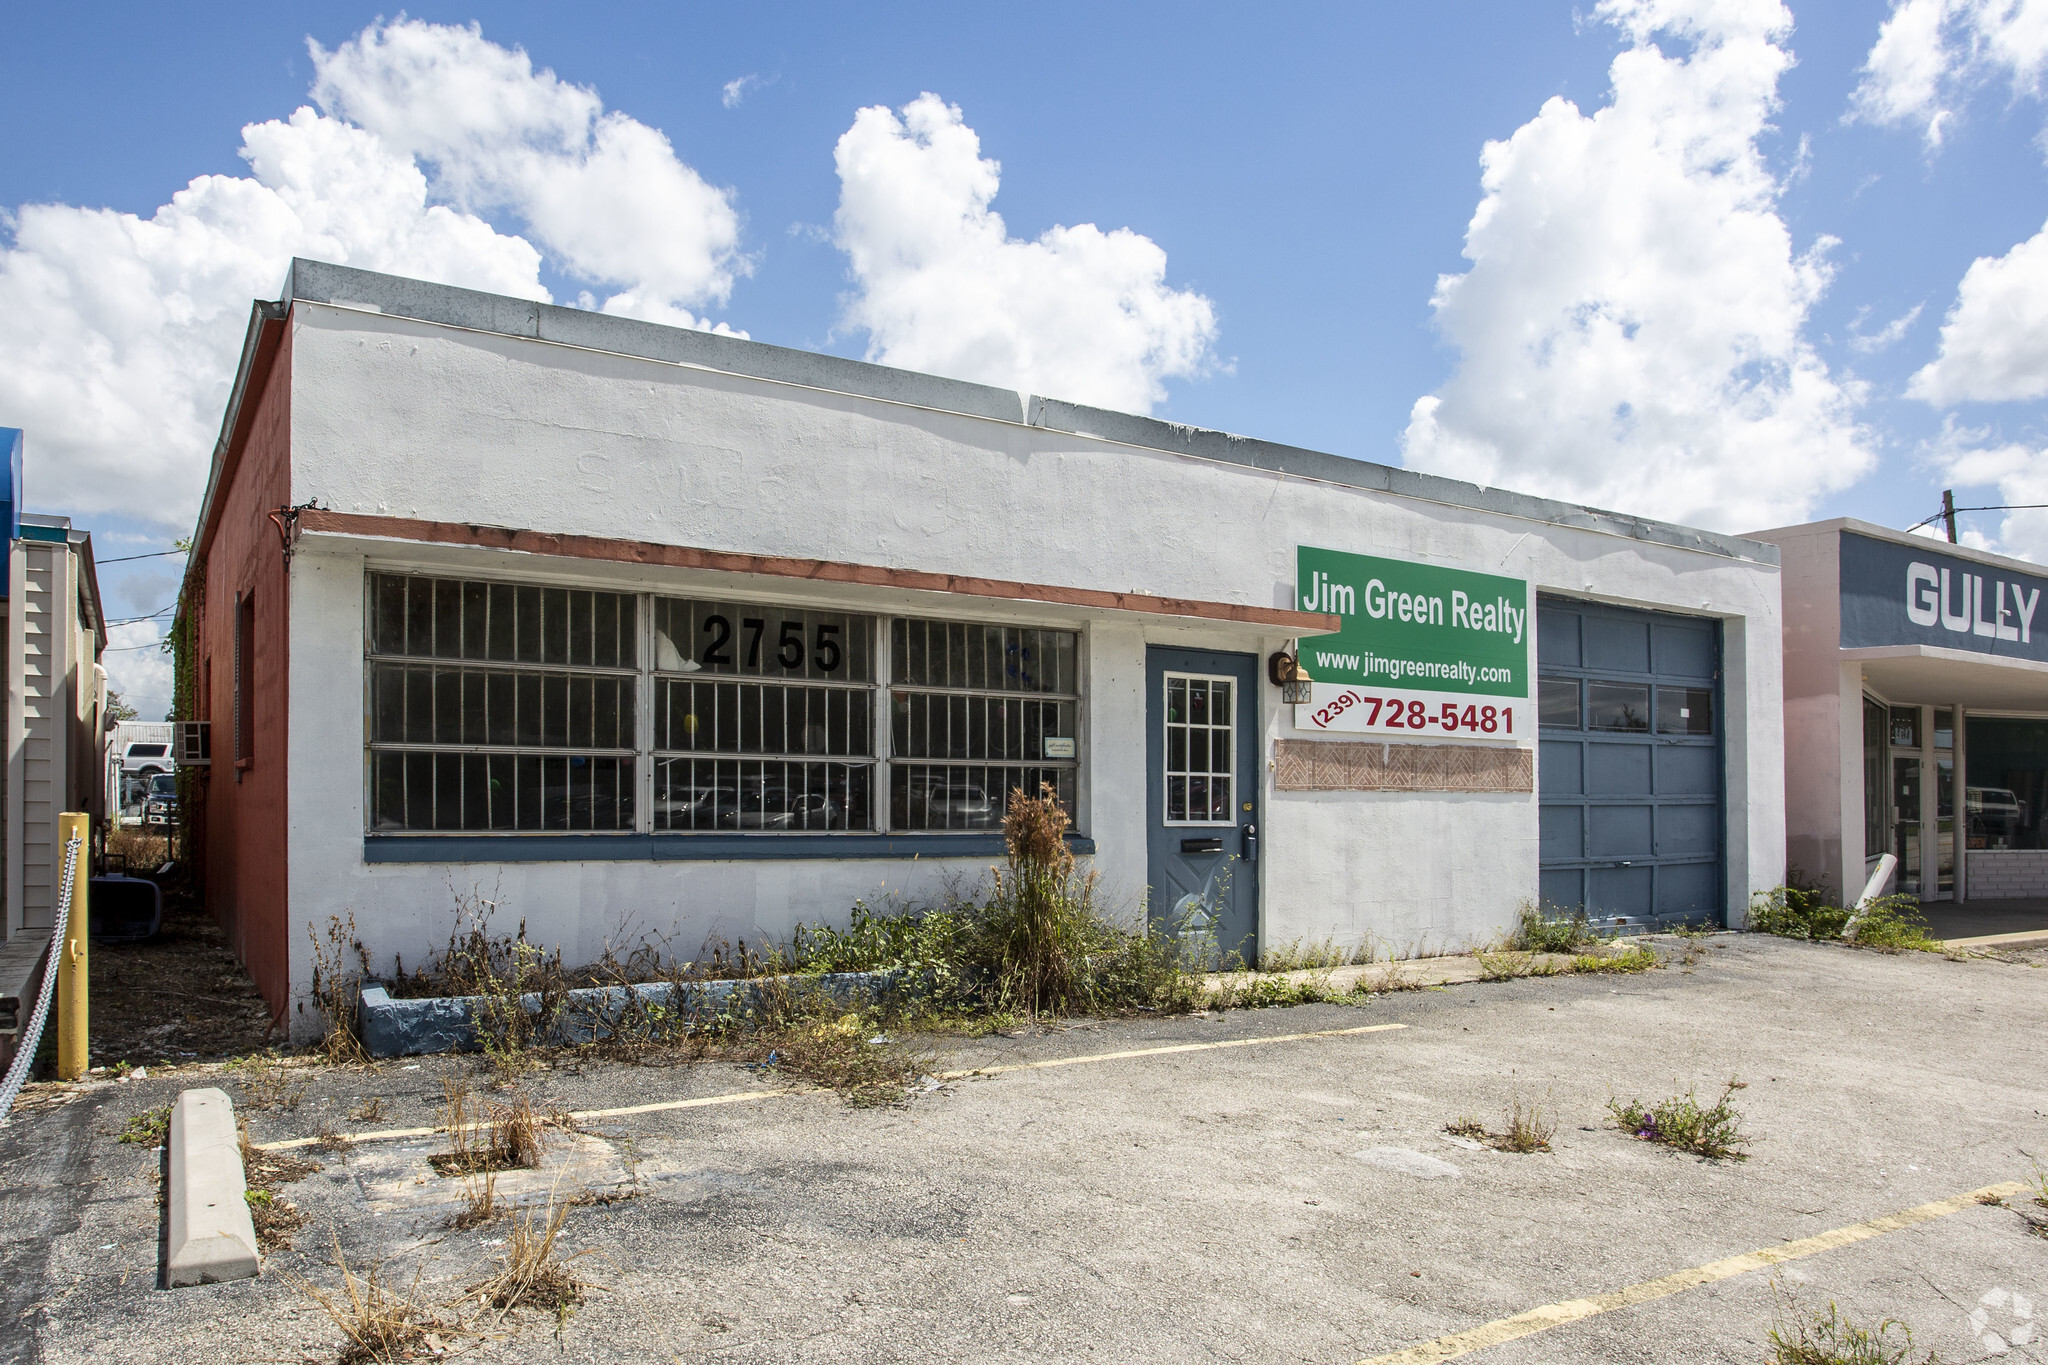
x,y
145,758
160,807
1996,816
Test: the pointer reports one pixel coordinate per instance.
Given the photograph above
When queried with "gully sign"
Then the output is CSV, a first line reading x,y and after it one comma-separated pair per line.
x,y
1904,595
1424,650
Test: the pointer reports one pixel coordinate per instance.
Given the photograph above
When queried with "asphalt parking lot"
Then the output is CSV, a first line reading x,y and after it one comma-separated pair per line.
x,y
1277,1201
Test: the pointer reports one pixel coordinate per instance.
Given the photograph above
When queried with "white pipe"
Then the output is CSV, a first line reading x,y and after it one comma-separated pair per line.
x,y
1887,864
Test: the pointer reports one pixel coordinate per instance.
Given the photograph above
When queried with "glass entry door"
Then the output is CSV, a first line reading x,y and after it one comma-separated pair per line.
x,y
1942,884
1906,821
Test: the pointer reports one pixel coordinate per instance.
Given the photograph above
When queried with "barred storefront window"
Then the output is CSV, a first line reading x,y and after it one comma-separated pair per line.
x,y
763,718
496,707
513,708
977,711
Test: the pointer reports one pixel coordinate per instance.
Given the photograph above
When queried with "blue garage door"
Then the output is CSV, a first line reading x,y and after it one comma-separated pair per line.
x,y
1630,781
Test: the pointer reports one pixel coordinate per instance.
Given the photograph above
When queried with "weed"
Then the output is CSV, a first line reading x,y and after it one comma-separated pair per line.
x,y
379,1323
531,1274
336,990
1304,955
1636,957
1893,924
265,1173
1679,1122
1273,992
492,1137
1511,963
843,1053
479,1199
1831,1339
267,1081
1793,911
1535,932
1527,1127
1031,940
370,1110
148,1128
332,1139
276,1220
1889,924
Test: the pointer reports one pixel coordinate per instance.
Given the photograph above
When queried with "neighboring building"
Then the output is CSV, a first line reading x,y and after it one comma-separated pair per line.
x,y
1914,670
55,731
56,705
642,630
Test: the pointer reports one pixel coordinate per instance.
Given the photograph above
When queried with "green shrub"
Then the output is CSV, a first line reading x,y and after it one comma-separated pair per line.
x,y
1834,1340
1894,924
1534,932
1032,939
1792,911
1680,1123
1634,958
1890,923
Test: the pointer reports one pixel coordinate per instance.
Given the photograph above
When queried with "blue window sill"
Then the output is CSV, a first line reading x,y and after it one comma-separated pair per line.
x,y
678,848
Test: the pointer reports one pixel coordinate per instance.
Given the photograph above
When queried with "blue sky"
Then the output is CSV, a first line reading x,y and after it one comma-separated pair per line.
x,y
1308,171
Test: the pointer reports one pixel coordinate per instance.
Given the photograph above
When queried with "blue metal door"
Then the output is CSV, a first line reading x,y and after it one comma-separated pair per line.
x,y
1630,764
1202,780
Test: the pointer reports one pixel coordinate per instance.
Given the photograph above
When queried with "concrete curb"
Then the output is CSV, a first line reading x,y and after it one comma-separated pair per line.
x,y
408,1028
213,1238
2026,938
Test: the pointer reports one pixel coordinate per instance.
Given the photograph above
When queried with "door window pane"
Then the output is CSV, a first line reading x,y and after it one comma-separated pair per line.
x,y
1617,706
1685,710
1557,703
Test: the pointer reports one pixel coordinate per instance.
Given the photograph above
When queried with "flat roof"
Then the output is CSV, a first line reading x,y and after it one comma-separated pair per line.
x,y
348,287
1837,525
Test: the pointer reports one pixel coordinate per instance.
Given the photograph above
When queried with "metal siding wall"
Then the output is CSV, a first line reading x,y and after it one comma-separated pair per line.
x,y
44,708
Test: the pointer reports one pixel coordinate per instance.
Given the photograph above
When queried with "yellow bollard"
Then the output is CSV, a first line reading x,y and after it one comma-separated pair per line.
x,y
72,962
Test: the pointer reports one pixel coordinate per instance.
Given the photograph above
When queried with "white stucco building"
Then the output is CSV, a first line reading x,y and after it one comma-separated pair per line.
x,y
645,630
1916,672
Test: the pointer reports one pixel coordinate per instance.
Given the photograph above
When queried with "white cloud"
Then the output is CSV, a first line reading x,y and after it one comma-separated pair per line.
x,y
1994,341
736,90
1869,343
1971,457
1631,331
136,669
1930,54
123,329
604,194
941,286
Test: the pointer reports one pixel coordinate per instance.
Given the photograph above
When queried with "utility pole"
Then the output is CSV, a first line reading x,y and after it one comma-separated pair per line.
x,y
1948,512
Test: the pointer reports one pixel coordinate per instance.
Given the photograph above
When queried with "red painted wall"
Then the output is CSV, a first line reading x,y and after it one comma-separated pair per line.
x,y
244,820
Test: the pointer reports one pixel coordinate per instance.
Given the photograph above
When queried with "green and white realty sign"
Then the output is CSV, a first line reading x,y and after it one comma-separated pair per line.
x,y
1423,648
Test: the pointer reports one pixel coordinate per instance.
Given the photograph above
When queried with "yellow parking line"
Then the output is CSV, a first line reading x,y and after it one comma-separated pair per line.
x,y
1158,1051
1574,1310
741,1097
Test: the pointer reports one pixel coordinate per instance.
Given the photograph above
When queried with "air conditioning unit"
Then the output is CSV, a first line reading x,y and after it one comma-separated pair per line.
x,y
195,743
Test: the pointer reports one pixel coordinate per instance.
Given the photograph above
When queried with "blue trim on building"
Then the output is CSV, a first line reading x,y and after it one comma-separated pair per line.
x,y
671,848
56,535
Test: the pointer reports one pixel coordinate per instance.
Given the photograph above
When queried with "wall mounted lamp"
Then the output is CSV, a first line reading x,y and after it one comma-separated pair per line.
x,y
1284,670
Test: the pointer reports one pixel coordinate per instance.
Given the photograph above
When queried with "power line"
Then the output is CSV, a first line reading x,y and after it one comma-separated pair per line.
x,y
133,620
1995,507
129,559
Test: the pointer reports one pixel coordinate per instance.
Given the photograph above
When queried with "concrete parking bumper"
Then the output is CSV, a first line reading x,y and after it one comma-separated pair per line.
x,y
212,1236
